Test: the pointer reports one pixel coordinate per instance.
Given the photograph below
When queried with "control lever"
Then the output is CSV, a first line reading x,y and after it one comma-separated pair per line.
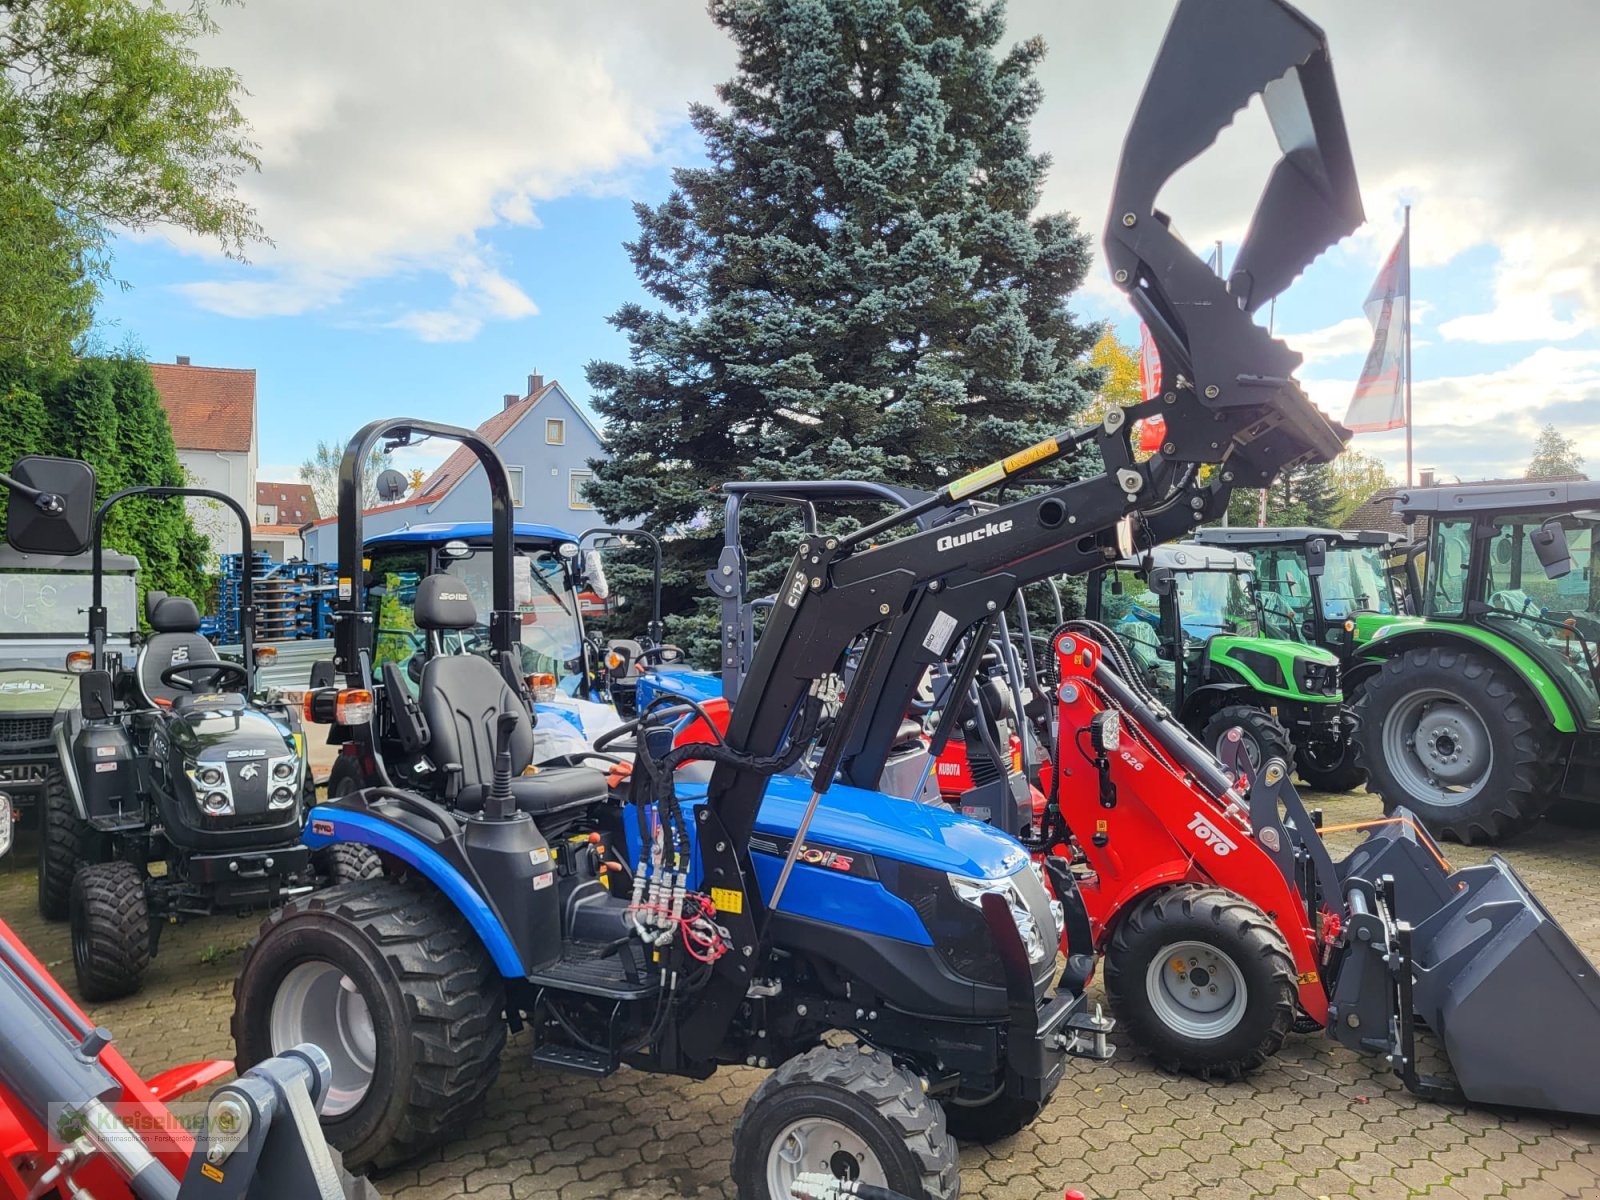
x,y
501,806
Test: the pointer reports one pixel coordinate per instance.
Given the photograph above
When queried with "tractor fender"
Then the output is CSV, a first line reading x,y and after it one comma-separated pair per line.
x,y
327,825
1199,704
1371,657
1106,910
62,735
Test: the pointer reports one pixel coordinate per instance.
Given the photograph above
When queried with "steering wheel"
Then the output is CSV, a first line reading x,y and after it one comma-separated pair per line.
x,y
220,676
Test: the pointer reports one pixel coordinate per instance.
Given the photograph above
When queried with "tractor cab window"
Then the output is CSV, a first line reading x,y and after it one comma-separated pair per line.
x,y
1356,579
1444,594
1558,620
56,604
1213,602
1133,612
1284,590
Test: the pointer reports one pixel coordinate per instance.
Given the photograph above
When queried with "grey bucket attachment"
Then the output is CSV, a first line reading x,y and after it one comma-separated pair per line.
x,y
1477,959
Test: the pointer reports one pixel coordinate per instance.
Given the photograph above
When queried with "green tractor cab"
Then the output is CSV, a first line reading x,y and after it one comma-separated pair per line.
x,y
1221,652
1341,586
1487,712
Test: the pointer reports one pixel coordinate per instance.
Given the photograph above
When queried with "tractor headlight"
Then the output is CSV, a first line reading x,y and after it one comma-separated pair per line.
x,y
1028,912
210,776
283,770
282,797
217,804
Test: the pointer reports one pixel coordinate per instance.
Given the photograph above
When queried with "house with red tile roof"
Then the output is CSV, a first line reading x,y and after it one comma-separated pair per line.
x,y
282,509
212,411
546,441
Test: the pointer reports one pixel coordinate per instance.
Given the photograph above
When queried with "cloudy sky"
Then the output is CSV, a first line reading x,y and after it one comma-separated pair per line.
x,y
448,190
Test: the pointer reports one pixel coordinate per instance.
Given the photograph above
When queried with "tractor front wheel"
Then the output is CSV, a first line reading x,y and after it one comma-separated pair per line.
x,y
1264,737
390,980
110,915
1203,981
1452,736
846,1112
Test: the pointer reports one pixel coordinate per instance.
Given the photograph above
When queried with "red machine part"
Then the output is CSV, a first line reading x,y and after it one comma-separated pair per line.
x,y
1165,829
26,1144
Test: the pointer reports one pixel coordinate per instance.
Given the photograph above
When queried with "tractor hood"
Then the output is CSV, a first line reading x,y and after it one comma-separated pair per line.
x,y
30,689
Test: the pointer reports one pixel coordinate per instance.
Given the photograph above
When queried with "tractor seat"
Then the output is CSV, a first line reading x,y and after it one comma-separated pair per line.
x,y
549,791
462,697
176,622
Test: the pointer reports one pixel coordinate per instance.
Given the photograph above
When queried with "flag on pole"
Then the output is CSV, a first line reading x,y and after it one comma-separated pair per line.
x,y
1379,400
1152,430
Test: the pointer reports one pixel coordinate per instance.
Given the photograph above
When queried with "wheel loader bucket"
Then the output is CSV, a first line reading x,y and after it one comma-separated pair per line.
x,y
1474,957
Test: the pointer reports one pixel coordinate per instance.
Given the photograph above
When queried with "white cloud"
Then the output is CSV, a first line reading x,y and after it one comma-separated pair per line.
x,y
1353,335
394,133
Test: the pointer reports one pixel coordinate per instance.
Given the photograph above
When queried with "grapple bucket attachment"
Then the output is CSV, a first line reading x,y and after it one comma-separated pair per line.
x,y
1476,958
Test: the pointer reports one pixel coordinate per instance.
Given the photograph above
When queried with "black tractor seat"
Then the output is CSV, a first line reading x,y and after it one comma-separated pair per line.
x,y
462,697
546,793
176,622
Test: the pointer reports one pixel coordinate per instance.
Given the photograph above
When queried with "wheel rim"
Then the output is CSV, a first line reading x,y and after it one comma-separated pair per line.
x,y
1252,748
1196,990
816,1145
1438,747
319,1003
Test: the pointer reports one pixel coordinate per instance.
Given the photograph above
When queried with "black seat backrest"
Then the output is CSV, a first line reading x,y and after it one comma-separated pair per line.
x,y
463,695
176,639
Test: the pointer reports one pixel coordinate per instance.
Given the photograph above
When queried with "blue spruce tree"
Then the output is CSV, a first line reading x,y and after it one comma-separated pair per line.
x,y
856,285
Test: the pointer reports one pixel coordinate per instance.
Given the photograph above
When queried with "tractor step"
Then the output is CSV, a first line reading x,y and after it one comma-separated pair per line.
x,y
575,1061
612,974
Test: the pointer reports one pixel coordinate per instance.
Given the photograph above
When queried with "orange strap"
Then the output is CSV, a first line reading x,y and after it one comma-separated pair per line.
x,y
1424,836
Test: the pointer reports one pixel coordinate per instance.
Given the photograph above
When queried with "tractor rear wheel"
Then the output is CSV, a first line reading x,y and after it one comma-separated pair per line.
x,y
110,914
1451,735
1203,981
389,979
1264,737
848,1112
65,843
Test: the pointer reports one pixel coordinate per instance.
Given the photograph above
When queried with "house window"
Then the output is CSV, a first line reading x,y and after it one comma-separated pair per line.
x,y
555,431
576,481
515,475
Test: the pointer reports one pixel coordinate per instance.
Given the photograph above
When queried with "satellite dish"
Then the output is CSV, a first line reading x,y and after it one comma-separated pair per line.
x,y
392,485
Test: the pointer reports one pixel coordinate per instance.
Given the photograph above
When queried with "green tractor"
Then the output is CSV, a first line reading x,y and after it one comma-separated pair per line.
x,y
1339,587
1222,653
1484,714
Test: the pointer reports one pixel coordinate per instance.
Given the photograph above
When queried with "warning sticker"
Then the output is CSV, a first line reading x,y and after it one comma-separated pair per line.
x,y
540,882
1026,458
105,751
541,855
940,631
727,900
211,1172
981,478
345,589
110,766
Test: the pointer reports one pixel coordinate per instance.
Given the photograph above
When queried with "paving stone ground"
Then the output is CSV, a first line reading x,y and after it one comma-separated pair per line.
x,y
1320,1121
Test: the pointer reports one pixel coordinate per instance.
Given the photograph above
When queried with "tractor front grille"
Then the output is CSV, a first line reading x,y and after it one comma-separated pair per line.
x,y
24,731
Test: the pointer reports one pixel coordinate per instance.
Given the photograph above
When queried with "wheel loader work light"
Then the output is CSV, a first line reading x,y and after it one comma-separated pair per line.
x,y
1105,732
79,661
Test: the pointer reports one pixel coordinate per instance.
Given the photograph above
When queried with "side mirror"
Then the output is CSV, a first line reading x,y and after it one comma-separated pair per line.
x,y
1161,581
1316,556
52,512
1116,584
1550,544
1165,652
95,699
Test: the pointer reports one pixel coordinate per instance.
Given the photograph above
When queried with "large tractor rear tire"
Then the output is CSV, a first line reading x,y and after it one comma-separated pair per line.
x,y
392,982
110,914
848,1112
1452,735
65,843
1202,980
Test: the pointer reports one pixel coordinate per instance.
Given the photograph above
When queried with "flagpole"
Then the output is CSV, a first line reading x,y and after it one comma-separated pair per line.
x,y
1408,344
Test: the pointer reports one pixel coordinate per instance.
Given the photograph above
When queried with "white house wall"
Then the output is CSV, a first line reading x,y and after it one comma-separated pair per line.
x,y
233,475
